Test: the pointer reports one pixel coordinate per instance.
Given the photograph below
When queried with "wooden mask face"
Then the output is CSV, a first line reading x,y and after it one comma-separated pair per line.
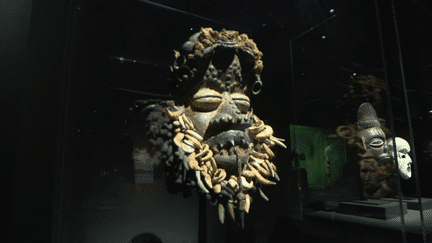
x,y
376,170
221,142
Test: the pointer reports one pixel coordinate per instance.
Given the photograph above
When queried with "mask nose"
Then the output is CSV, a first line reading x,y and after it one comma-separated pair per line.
x,y
385,156
229,107
368,153
408,159
367,176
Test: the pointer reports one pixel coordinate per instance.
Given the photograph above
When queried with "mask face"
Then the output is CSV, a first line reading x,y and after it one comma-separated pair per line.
x,y
222,119
210,107
221,115
373,140
375,171
402,155
223,148
370,176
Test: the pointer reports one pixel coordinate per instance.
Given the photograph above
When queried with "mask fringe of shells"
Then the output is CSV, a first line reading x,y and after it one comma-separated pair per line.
x,y
229,192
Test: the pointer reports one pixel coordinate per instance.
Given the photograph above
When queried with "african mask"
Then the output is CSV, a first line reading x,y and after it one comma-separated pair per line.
x,y
372,136
376,173
218,146
370,176
403,159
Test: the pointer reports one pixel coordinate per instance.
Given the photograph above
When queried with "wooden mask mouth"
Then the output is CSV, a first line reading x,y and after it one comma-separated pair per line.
x,y
225,144
224,122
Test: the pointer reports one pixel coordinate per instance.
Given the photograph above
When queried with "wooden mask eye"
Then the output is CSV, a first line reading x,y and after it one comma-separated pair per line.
x,y
242,101
206,100
376,143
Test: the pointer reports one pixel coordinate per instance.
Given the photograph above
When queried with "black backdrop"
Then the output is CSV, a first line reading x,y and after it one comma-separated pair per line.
x,y
64,60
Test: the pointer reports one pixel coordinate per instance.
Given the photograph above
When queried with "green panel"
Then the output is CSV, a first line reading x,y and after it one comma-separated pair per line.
x,y
313,142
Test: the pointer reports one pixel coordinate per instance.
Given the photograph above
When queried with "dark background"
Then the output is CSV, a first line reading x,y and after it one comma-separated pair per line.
x,y
62,113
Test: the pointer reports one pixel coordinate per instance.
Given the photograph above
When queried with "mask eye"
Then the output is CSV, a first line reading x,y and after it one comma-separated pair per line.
x,y
402,155
242,101
376,143
206,100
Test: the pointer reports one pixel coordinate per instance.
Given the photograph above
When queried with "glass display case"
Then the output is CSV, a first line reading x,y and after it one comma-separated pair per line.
x,y
342,88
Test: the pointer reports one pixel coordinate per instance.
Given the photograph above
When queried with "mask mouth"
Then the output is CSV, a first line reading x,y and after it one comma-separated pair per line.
x,y
368,184
409,167
227,123
226,143
385,157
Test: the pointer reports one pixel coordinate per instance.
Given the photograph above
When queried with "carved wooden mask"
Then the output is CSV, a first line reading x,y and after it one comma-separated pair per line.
x,y
221,144
376,169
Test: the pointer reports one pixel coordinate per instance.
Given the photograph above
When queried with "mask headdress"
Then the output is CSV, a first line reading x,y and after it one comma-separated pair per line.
x,y
214,57
366,117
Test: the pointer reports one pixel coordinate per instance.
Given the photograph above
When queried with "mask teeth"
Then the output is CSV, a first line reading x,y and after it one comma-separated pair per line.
x,y
227,145
223,152
215,149
232,151
226,118
228,151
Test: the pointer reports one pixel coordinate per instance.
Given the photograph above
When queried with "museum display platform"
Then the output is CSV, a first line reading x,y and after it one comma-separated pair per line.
x,y
392,224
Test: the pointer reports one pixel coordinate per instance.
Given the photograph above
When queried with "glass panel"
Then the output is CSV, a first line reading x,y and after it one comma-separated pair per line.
x,y
332,88
343,118
348,75
414,52
123,54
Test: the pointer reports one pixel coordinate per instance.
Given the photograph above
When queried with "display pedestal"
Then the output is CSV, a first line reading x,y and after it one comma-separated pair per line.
x,y
202,219
372,208
413,202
